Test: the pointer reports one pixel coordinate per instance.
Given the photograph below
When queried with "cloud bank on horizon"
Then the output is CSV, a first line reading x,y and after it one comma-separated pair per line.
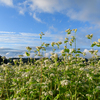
x,y
21,21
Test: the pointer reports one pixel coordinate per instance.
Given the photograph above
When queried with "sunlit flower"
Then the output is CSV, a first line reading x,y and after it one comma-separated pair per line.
x,y
65,47
68,31
28,48
39,47
53,43
55,55
66,39
98,40
59,42
83,53
20,56
40,35
46,44
62,51
95,42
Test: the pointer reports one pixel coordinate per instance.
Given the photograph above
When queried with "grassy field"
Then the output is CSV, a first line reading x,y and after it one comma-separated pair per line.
x,y
69,79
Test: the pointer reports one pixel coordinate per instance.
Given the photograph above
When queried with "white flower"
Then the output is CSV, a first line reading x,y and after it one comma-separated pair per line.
x,y
39,47
98,43
98,87
75,30
14,99
31,92
23,98
46,61
62,51
51,75
69,31
18,78
17,92
71,50
98,40
81,69
88,95
40,35
90,78
65,82
91,35
87,75
46,44
59,42
50,92
65,47
45,93
84,53
55,55
79,82
95,42
51,66
68,95
66,39
96,51
52,53
67,68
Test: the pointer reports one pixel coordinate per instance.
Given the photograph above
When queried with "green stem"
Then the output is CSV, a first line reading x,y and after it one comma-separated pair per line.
x,y
75,41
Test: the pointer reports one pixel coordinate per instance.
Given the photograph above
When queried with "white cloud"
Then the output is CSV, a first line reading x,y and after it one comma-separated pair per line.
x,y
47,55
75,10
88,54
23,7
7,2
14,39
85,10
21,11
29,34
6,32
53,28
47,5
38,19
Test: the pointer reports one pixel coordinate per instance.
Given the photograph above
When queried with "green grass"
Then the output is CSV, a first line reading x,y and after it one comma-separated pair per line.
x,y
70,79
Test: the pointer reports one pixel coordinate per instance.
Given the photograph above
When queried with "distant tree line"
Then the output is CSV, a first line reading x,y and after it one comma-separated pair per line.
x,y
4,60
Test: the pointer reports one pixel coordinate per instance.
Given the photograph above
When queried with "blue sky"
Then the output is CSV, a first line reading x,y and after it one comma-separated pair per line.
x,y
21,22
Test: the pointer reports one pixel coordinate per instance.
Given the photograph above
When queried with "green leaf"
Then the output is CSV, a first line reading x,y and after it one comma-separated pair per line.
x,y
98,45
57,97
63,54
75,51
79,52
93,45
66,50
14,80
62,90
27,54
42,44
69,32
73,95
65,41
44,49
40,37
70,44
77,55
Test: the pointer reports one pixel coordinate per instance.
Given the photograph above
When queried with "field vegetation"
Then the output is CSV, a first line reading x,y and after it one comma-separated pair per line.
x,y
68,79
